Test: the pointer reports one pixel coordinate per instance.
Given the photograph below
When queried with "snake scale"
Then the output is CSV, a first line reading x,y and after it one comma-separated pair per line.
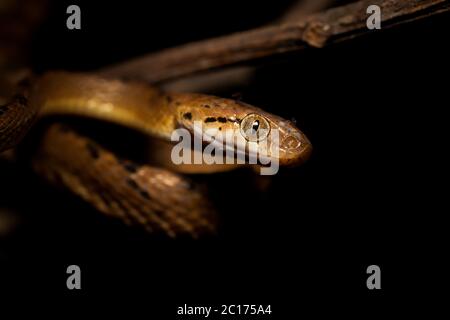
x,y
158,199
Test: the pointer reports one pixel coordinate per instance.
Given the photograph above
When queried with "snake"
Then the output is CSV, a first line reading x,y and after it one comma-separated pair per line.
x,y
159,199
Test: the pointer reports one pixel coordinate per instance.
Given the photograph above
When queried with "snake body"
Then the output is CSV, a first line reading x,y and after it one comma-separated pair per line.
x,y
158,199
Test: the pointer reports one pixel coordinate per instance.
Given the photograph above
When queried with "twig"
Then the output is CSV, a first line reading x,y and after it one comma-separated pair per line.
x,y
336,24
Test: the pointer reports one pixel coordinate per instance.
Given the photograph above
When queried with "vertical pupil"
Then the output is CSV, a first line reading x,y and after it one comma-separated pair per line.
x,y
255,125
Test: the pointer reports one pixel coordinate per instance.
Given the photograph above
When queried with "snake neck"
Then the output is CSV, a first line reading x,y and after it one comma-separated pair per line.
x,y
130,104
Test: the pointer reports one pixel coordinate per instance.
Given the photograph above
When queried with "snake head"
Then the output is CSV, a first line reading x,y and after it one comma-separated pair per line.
x,y
254,131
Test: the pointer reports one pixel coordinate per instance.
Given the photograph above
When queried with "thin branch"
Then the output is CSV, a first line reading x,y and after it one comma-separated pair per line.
x,y
319,30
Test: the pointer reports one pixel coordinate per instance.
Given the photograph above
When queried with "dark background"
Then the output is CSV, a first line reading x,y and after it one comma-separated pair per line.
x,y
374,109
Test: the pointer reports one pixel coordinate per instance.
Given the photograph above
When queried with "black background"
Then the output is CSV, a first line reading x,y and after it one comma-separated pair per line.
x,y
374,109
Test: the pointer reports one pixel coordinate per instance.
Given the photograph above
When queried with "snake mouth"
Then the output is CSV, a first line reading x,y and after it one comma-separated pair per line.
x,y
232,145
218,140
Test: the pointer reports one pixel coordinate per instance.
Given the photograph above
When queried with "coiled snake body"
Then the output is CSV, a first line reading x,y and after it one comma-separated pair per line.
x,y
156,198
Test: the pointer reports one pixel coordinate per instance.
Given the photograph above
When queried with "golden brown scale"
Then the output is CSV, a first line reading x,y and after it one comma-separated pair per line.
x,y
16,118
155,198
131,104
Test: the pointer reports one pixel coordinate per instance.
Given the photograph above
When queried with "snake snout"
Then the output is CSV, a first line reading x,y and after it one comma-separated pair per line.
x,y
296,148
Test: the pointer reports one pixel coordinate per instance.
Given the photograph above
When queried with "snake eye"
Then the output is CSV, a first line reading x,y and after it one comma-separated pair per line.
x,y
255,127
